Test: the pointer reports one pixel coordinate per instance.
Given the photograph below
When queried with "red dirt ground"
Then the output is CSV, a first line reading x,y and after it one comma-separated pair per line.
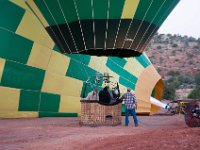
x,y
153,133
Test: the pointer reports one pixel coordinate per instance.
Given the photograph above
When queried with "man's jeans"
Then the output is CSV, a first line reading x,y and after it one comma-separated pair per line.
x,y
132,111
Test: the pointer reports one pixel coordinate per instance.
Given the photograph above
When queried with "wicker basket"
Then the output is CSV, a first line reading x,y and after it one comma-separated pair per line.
x,y
94,113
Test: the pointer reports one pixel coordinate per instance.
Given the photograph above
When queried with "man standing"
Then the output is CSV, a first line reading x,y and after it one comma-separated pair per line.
x,y
130,106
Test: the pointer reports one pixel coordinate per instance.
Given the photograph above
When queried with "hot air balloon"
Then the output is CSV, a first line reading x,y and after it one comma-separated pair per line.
x,y
49,48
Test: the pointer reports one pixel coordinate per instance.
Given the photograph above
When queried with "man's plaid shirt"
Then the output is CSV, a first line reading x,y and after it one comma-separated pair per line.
x,y
129,100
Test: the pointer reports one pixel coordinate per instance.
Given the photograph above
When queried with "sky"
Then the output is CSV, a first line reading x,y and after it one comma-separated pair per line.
x,y
184,19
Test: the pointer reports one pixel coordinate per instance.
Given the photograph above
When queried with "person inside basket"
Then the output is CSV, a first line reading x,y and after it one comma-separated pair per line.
x,y
93,95
105,95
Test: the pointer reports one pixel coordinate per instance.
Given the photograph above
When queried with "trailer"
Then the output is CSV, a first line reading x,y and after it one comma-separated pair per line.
x,y
190,108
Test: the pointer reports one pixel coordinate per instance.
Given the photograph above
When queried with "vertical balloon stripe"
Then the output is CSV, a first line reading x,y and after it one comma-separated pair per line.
x,y
129,9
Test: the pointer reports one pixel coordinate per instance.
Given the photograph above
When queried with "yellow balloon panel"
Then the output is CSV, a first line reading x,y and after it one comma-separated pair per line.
x,y
18,114
58,63
39,56
9,99
54,83
98,66
37,11
67,102
2,64
134,67
129,9
32,29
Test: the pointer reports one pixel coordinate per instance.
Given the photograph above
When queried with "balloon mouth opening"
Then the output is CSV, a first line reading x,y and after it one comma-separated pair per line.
x,y
111,52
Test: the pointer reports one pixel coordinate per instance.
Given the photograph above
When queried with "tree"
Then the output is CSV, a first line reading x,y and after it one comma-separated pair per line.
x,y
196,47
174,52
174,81
159,69
191,39
188,79
190,62
169,35
161,60
174,45
189,55
176,59
195,94
169,91
186,44
174,73
197,79
159,47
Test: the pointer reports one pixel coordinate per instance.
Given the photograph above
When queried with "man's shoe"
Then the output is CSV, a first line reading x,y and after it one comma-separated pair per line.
x,y
136,125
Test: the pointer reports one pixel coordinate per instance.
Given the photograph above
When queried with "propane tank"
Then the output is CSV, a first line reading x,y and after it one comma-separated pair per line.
x,y
159,103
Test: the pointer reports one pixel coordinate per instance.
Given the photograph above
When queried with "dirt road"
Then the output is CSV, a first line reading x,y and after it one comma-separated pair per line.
x,y
153,133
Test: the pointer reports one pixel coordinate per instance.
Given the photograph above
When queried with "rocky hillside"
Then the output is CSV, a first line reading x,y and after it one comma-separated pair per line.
x,y
174,53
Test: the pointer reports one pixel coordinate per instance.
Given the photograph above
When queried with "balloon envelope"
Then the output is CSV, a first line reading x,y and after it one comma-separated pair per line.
x,y
102,27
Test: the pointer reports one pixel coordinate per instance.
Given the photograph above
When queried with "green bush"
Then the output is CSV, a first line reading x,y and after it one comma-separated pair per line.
x,y
195,94
169,91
